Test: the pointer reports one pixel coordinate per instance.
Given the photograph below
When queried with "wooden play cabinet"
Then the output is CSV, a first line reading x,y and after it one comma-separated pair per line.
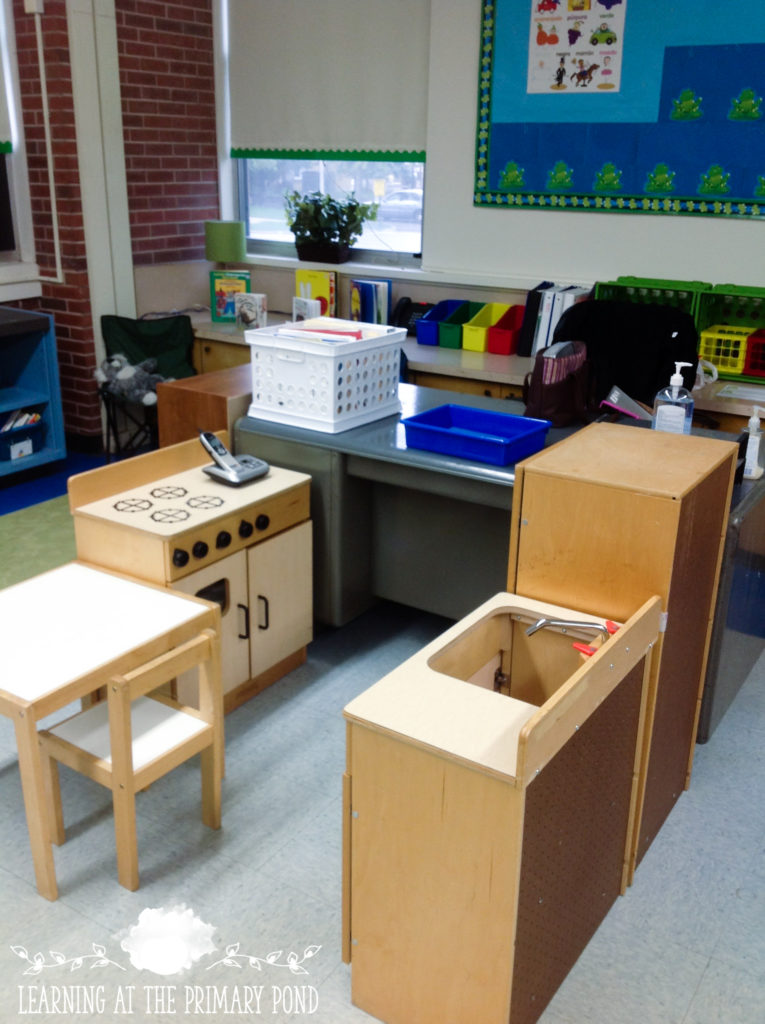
x,y
489,802
161,518
604,520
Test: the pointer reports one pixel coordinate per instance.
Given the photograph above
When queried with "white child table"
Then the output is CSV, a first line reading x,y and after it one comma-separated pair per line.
x,y
65,633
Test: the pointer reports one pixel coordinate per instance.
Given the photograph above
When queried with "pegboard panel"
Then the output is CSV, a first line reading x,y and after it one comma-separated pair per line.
x,y
575,839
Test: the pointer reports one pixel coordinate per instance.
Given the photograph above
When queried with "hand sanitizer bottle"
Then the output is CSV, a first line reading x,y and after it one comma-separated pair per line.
x,y
752,468
673,406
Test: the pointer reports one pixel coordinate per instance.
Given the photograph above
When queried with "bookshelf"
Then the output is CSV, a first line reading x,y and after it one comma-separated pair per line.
x,y
29,382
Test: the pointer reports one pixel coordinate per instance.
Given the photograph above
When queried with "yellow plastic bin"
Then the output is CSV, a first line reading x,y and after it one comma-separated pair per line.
x,y
475,333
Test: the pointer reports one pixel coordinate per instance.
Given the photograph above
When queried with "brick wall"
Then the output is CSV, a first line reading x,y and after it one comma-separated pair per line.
x,y
168,112
165,55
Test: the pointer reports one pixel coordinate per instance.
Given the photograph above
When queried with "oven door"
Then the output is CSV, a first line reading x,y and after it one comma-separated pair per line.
x,y
224,582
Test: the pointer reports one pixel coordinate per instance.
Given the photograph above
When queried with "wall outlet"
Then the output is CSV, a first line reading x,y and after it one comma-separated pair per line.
x,y
33,7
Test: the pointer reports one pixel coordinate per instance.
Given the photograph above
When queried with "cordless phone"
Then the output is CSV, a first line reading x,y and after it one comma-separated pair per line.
x,y
227,467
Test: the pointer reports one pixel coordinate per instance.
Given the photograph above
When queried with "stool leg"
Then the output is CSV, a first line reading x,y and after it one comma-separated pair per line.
x,y
53,799
33,789
123,802
211,787
123,783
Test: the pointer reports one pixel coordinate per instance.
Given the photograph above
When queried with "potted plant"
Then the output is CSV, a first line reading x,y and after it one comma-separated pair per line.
x,y
325,228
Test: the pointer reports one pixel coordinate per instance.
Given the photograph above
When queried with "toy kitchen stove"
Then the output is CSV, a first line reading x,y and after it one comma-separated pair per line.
x,y
246,547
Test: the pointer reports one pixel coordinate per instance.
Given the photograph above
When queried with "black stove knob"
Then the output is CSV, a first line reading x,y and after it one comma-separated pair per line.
x,y
200,549
262,522
245,528
180,558
223,539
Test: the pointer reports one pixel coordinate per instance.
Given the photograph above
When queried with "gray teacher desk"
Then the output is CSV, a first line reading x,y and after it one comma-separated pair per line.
x,y
393,522
432,532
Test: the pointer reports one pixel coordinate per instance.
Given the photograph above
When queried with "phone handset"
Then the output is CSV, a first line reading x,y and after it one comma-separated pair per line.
x,y
227,467
218,450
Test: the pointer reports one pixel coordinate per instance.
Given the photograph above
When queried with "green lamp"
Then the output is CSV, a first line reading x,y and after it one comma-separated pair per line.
x,y
225,241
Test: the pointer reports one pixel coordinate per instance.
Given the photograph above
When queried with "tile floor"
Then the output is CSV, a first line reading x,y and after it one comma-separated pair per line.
x,y
685,945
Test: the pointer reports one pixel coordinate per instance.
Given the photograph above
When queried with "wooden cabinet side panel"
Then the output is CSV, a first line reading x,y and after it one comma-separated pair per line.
x,y
434,864
691,605
600,548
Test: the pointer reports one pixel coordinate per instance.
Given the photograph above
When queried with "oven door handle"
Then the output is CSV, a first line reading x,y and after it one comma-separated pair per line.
x,y
264,599
246,610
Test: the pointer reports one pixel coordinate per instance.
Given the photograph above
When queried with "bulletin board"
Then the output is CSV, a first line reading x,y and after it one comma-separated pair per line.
x,y
622,105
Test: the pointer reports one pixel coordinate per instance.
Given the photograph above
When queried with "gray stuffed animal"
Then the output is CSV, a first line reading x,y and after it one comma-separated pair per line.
x,y
133,383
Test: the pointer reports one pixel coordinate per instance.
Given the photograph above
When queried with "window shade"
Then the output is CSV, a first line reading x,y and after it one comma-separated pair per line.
x,y
329,78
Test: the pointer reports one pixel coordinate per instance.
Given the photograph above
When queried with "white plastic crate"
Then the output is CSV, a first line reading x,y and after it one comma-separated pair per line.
x,y
314,374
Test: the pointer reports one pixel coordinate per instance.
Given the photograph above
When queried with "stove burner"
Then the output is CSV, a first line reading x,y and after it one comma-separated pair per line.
x,y
132,505
205,501
170,515
168,491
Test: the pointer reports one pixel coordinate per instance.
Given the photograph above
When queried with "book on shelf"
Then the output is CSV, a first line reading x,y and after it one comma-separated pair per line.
x,y
305,309
554,300
18,418
224,286
317,284
530,316
544,317
371,300
250,310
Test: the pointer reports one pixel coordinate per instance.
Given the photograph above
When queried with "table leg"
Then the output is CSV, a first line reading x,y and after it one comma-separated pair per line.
x,y
33,788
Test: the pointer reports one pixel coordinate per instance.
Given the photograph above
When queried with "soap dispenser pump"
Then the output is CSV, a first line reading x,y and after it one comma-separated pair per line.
x,y
673,406
752,468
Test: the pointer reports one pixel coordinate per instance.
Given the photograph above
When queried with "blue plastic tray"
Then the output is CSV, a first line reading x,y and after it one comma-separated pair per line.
x,y
496,437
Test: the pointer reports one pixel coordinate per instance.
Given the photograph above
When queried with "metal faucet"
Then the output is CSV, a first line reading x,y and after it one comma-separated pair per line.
x,y
564,624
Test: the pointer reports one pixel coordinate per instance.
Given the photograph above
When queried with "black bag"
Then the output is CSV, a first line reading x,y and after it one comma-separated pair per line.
x,y
631,345
559,389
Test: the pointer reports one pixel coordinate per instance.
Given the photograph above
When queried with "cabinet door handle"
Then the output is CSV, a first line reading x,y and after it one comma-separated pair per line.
x,y
266,609
246,610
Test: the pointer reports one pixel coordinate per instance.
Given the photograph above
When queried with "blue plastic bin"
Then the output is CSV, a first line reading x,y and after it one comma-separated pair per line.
x,y
496,437
427,326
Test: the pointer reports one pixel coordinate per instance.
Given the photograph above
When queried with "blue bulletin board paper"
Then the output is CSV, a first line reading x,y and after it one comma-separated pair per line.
x,y
676,126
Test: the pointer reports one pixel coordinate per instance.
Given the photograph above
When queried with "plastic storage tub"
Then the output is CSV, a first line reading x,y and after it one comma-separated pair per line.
x,y
475,333
502,337
754,364
496,437
325,374
427,326
683,295
450,330
724,346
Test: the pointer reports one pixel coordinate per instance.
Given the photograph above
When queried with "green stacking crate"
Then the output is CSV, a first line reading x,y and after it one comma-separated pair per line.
x,y
736,305
739,308
450,329
683,295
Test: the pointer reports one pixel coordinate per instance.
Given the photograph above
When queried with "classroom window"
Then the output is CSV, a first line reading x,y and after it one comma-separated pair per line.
x,y
396,186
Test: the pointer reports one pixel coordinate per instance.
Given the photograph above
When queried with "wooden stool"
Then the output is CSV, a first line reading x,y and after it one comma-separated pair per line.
x,y
130,740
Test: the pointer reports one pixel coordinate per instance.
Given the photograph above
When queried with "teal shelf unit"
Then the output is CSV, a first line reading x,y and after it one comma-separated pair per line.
x,y
29,381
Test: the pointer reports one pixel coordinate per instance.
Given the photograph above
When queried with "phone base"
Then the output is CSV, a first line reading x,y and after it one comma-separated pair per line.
x,y
249,469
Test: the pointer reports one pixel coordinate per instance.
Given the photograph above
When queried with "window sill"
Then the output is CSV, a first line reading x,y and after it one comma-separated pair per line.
x,y
19,281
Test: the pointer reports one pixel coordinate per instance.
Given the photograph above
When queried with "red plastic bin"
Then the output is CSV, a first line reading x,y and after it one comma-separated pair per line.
x,y
754,363
503,336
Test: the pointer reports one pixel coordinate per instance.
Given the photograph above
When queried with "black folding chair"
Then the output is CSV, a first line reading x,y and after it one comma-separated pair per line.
x,y
132,426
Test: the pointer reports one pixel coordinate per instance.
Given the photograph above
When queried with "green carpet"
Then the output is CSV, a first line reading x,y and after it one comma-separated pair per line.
x,y
34,539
